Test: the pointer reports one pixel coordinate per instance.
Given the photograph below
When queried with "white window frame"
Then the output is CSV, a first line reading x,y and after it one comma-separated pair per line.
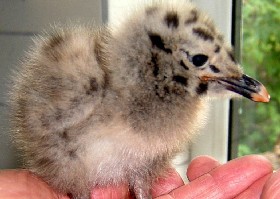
x,y
213,139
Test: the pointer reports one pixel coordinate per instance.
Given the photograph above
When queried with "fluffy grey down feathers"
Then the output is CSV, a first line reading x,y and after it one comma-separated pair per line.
x,y
93,107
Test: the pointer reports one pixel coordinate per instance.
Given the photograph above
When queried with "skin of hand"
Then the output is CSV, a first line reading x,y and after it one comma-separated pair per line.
x,y
245,177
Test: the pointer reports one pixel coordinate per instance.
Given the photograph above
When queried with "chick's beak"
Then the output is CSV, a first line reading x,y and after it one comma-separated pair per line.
x,y
247,87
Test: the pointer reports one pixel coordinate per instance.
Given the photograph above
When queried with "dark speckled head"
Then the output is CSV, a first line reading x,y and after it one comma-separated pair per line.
x,y
187,54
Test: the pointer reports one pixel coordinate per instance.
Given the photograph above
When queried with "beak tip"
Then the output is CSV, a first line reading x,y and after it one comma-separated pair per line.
x,y
262,96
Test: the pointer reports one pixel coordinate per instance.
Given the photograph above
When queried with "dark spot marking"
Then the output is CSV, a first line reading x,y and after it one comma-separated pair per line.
x,y
202,88
157,92
55,40
151,10
181,80
72,153
231,56
64,135
51,48
54,81
45,121
184,65
193,17
217,49
93,86
58,114
203,33
171,19
162,93
155,64
214,69
166,90
44,161
158,42
75,101
106,79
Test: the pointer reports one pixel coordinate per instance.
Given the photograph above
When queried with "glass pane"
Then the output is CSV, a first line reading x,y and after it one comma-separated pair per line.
x,y
259,124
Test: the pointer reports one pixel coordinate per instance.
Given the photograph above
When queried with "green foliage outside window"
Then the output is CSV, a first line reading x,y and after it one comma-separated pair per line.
x,y
260,123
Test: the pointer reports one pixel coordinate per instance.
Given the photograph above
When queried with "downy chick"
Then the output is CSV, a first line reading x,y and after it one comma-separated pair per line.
x,y
95,107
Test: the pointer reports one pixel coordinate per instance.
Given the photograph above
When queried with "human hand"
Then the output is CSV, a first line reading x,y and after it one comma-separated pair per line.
x,y
22,184
246,177
243,178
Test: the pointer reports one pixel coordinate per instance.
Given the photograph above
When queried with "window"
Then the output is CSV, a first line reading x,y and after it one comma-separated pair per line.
x,y
255,127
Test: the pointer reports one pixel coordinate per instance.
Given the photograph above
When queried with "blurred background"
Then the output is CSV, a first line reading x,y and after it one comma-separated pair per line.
x,y
256,126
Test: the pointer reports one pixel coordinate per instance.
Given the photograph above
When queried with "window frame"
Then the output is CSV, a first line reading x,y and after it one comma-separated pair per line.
x,y
214,139
235,106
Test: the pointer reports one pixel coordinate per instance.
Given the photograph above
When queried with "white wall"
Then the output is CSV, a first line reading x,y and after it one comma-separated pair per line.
x,y
19,21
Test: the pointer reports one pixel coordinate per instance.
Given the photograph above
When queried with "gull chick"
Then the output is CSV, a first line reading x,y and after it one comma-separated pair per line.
x,y
103,106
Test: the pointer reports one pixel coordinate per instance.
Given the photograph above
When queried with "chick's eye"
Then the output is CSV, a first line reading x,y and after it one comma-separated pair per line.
x,y
199,60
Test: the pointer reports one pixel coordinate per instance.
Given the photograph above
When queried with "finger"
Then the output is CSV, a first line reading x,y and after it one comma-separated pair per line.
x,y
201,165
255,190
236,176
271,188
110,192
22,184
164,185
225,181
